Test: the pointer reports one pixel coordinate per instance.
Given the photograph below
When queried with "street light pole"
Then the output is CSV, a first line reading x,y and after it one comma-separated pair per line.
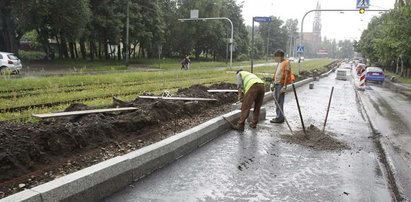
x,y
252,47
268,43
328,10
127,31
218,18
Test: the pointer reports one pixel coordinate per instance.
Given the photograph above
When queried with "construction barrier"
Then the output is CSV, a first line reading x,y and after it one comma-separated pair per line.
x,y
362,81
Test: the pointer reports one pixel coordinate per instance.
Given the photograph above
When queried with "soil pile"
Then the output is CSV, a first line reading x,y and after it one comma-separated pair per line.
x,y
26,147
316,139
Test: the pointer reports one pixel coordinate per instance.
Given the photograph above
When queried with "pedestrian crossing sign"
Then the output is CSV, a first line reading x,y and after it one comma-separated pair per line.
x,y
363,4
300,49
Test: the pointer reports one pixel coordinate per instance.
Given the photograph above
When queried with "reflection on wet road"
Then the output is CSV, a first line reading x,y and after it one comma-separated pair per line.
x,y
390,114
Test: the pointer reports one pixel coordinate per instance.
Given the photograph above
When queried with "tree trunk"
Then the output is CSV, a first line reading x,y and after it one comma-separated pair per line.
x,y
402,67
106,52
92,49
76,49
99,50
11,40
72,54
134,50
59,47
83,49
119,51
64,48
139,51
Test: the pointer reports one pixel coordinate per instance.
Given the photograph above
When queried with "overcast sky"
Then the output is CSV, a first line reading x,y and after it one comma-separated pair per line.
x,y
334,25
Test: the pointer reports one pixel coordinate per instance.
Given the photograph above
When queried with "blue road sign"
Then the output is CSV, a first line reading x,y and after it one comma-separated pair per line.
x,y
363,4
262,19
300,49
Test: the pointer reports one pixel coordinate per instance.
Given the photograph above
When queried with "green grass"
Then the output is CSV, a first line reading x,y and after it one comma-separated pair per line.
x,y
118,83
107,65
401,79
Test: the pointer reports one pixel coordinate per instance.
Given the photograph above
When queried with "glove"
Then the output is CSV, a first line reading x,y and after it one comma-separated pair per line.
x,y
272,87
283,90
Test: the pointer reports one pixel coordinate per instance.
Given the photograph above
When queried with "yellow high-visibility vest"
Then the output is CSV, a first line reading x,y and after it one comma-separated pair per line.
x,y
249,80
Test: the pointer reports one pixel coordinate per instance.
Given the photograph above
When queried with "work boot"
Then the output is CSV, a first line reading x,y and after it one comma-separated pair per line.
x,y
275,120
253,126
237,128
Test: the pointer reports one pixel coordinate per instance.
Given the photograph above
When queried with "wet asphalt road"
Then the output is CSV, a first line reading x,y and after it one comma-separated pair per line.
x,y
258,166
390,115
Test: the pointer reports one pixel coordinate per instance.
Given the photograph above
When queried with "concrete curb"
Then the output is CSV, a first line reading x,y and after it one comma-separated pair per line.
x,y
103,179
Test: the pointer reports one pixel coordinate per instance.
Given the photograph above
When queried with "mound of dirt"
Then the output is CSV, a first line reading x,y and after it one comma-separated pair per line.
x,y
27,147
316,140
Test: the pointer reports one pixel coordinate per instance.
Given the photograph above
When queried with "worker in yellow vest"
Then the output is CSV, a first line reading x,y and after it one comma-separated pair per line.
x,y
281,79
250,90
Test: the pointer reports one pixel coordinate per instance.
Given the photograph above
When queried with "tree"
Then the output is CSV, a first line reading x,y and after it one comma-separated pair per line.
x,y
386,40
276,33
292,32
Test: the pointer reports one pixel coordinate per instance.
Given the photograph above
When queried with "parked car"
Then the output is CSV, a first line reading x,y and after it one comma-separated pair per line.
x,y
292,59
347,66
374,74
9,62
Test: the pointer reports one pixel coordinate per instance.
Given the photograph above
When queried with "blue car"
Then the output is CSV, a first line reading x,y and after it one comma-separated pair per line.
x,y
374,74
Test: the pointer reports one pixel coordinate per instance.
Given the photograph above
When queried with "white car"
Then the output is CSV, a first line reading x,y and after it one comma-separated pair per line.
x,y
347,66
9,62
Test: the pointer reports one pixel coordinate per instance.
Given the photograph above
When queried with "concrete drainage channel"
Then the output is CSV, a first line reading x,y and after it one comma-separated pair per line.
x,y
103,179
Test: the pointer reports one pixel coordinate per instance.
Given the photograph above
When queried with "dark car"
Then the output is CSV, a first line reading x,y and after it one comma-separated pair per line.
x,y
374,74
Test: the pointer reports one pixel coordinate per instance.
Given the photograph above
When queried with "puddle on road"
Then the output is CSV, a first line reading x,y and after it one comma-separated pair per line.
x,y
316,140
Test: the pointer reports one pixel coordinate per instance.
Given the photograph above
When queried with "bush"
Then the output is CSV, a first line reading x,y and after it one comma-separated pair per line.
x,y
243,57
31,55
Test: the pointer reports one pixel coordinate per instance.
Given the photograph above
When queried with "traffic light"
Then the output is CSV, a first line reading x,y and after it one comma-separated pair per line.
x,y
362,10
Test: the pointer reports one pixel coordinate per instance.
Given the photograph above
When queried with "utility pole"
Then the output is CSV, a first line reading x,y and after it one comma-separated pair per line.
x,y
127,32
257,19
252,47
268,42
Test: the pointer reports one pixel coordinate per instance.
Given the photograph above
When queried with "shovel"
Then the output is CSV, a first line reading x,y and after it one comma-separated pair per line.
x,y
231,124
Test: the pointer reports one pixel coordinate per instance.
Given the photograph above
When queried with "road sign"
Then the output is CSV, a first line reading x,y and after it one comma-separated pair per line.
x,y
300,49
193,14
363,4
262,19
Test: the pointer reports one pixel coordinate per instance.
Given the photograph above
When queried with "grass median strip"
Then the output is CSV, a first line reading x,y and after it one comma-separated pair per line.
x,y
56,93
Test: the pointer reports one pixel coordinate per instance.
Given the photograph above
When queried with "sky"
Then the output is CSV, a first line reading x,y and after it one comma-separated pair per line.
x,y
335,25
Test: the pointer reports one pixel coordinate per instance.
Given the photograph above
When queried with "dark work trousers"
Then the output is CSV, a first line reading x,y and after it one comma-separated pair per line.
x,y
280,99
254,95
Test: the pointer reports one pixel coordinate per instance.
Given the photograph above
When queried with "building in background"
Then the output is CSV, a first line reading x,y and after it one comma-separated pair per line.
x,y
312,40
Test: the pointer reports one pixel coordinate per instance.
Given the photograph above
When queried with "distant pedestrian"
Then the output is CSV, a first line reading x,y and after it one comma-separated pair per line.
x,y
250,91
185,63
281,79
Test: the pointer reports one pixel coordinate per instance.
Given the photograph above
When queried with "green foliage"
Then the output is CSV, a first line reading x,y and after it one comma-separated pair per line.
x,y
30,55
386,41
